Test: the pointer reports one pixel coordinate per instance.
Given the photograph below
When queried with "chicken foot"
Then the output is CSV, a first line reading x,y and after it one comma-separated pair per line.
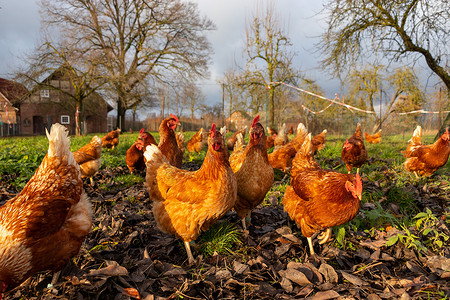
x,y
311,249
189,253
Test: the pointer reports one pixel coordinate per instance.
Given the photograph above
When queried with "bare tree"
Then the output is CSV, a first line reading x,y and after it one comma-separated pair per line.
x,y
193,99
268,53
398,29
135,39
63,61
375,86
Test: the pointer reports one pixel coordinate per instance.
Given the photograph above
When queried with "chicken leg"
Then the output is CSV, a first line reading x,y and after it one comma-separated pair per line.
x,y
311,249
189,253
244,226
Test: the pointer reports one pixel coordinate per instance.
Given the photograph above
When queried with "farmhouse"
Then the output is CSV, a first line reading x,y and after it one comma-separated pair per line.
x,y
51,102
10,93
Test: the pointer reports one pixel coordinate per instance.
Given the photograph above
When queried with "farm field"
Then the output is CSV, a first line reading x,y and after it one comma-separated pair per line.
x,y
397,247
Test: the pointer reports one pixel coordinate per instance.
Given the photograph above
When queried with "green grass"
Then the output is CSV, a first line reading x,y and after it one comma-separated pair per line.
x,y
220,238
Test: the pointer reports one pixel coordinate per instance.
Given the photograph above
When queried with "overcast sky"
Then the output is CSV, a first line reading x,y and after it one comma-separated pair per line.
x,y
20,31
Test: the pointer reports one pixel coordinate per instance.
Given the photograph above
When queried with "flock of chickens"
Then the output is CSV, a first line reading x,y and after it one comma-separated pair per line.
x,y
43,227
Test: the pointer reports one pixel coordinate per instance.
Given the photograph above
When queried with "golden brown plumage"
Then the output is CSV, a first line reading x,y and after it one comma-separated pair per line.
x,y
424,160
111,139
319,199
198,142
134,157
180,142
281,138
185,203
254,174
44,226
318,141
232,140
354,153
88,157
373,138
168,142
281,157
147,138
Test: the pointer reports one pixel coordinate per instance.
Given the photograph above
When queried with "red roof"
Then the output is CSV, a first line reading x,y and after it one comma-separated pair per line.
x,y
13,91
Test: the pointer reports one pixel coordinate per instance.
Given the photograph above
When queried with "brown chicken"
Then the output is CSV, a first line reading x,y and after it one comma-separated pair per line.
x,y
281,138
318,141
354,153
270,141
88,157
168,142
319,199
198,142
271,131
135,157
185,203
281,157
111,139
254,174
43,227
147,138
424,160
373,138
232,140
291,130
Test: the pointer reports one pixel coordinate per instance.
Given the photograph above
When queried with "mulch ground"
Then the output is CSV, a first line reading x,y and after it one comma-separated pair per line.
x,y
127,257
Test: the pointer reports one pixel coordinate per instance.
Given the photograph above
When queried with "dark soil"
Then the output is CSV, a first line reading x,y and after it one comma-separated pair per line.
x,y
126,256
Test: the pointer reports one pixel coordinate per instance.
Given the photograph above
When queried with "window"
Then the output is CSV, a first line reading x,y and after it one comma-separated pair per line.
x,y
45,93
65,120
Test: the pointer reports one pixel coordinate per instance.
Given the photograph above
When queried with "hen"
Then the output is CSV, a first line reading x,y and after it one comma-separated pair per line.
x,y
281,138
168,142
134,157
185,203
88,158
254,174
373,138
319,199
111,139
354,153
147,138
424,160
198,141
271,131
43,227
318,141
270,141
232,140
281,157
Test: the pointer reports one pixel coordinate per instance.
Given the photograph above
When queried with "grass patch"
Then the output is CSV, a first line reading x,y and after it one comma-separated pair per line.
x,y
220,239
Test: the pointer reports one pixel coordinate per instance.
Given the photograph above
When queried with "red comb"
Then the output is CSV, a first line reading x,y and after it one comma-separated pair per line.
x,y
255,120
141,131
174,117
213,127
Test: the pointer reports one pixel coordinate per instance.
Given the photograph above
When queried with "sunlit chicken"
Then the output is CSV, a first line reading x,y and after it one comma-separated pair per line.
x,y
232,140
180,142
319,199
111,139
168,143
198,141
88,157
373,138
134,157
43,227
282,137
354,153
185,203
147,138
318,141
424,160
253,171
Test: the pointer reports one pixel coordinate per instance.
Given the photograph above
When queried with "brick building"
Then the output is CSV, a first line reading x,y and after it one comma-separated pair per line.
x,y
10,93
45,106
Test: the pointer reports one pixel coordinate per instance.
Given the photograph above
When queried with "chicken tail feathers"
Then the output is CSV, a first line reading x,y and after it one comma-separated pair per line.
x,y
154,156
59,143
417,136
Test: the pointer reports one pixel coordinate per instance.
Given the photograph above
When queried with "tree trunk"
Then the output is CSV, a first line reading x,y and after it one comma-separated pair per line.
x,y
272,107
120,115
